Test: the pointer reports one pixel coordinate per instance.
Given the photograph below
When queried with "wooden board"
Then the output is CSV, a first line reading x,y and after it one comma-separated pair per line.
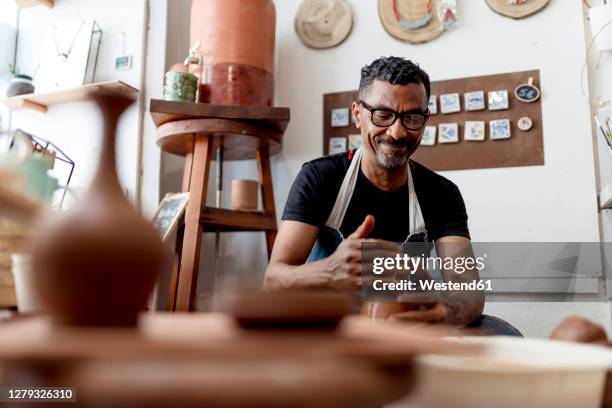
x,y
31,3
166,111
522,149
42,101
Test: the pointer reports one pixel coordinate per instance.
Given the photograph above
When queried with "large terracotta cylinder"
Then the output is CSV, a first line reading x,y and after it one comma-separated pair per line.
x,y
237,39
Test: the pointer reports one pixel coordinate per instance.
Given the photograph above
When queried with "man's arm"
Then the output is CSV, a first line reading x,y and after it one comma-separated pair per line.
x,y
286,269
294,242
462,308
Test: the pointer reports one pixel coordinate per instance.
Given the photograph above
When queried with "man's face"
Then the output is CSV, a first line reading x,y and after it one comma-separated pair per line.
x,y
393,145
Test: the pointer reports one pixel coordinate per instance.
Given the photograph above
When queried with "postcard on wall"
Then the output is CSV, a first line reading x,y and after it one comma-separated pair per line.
x,y
474,101
449,133
340,117
474,131
429,136
500,129
355,142
450,103
337,145
498,100
433,105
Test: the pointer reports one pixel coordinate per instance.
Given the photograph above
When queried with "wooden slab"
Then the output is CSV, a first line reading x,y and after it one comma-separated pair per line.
x,y
522,149
41,101
241,130
31,3
167,111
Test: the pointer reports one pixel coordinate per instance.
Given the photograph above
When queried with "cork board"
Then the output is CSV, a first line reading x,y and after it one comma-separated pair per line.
x,y
523,148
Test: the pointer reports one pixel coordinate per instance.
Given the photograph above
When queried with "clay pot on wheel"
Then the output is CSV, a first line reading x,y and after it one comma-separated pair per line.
x,y
97,264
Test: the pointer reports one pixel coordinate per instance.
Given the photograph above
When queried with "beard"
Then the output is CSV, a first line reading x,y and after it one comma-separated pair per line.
x,y
397,153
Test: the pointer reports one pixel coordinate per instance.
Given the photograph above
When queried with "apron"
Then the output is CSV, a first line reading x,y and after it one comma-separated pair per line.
x,y
330,236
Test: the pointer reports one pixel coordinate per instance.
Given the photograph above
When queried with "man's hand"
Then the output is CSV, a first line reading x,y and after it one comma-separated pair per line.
x,y
343,267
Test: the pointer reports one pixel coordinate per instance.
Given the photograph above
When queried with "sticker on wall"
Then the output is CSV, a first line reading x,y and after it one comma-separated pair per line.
x,y
337,145
525,123
429,136
449,133
500,129
528,92
474,101
498,100
433,105
340,117
474,131
450,103
355,142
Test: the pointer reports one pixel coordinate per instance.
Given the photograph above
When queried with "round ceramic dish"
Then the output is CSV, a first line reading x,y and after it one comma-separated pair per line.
x,y
514,372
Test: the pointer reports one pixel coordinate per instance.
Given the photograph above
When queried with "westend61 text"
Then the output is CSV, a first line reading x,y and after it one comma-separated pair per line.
x,y
430,285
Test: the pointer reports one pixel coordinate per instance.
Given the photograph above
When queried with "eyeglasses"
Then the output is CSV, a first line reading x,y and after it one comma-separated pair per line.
x,y
387,117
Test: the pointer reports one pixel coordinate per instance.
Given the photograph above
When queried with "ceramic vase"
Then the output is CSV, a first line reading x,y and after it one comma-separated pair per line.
x,y
97,264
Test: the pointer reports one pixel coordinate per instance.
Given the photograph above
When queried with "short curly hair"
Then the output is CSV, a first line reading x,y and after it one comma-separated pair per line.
x,y
396,71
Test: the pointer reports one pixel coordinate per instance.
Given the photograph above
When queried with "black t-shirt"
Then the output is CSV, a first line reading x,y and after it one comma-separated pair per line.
x,y
314,192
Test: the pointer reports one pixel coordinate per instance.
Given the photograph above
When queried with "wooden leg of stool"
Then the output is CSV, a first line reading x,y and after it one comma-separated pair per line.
x,y
192,239
178,249
267,193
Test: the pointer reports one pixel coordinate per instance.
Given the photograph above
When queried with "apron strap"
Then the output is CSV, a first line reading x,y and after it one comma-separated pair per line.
x,y
336,217
415,216
343,199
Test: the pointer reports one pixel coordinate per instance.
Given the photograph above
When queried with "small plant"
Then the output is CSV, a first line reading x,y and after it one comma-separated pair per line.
x,y
13,69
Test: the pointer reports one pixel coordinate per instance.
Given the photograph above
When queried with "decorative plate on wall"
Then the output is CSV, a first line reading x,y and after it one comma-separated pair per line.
x,y
517,8
323,23
413,21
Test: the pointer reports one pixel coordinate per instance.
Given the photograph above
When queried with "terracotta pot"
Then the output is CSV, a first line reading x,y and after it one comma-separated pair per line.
x,y
97,264
245,195
237,40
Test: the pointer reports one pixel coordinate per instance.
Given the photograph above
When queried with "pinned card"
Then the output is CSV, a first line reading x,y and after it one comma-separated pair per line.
x,y
498,100
337,145
429,136
474,101
500,129
449,133
450,103
474,131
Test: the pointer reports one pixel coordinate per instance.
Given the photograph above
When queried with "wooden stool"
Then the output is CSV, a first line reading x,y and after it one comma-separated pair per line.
x,y
194,131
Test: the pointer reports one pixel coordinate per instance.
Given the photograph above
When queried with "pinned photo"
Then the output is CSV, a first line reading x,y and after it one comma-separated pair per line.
x,y
474,131
433,105
500,129
337,145
449,133
498,100
340,117
429,136
355,142
474,101
450,103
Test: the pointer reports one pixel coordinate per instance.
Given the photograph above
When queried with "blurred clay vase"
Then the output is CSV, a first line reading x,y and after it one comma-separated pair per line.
x,y
20,85
245,195
237,40
97,264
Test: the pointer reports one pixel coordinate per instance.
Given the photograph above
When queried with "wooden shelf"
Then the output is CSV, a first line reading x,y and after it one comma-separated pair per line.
x,y
41,102
226,220
31,3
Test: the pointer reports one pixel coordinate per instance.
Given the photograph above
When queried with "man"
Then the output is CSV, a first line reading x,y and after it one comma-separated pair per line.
x,y
326,204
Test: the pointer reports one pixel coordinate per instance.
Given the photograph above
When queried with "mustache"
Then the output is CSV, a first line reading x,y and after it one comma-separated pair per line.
x,y
404,142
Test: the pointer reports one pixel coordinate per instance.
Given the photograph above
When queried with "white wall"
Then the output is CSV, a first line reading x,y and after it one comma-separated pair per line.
x,y
554,202
75,127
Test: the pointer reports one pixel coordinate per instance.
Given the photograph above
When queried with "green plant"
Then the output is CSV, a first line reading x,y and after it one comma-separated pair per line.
x,y
13,69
